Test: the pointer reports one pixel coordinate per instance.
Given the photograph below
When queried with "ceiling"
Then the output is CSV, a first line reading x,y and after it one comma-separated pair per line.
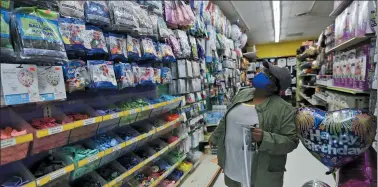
x,y
257,18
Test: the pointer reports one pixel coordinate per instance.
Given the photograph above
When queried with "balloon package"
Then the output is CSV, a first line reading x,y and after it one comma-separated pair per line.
x,y
154,21
76,75
166,75
123,15
148,49
117,46
137,73
193,45
133,48
51,83
157,75
96,13
337,137
19,83
73,9
102,74
124,75
158,51
94,42
175,45
166,53
184,44
145,24
162,28
37,34
73,35
6,46
147,76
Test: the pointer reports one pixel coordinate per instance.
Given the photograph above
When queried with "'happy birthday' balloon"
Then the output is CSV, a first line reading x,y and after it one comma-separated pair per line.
x,y
335,138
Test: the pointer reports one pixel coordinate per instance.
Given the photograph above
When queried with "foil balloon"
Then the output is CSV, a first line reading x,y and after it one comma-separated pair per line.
x,y
360,172
316,183
243,40
25,77
235,32
335,138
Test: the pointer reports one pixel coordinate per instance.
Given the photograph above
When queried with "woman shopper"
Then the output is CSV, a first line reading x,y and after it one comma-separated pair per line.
x,y
274,136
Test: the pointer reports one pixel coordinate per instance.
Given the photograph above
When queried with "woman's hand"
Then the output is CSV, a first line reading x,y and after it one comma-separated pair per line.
x,y
257,134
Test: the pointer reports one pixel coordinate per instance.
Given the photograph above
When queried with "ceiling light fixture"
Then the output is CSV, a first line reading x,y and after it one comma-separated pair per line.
x,y
277,19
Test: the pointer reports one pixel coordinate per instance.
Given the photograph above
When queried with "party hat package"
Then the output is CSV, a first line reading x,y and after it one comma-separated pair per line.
x,y
19,83
51,83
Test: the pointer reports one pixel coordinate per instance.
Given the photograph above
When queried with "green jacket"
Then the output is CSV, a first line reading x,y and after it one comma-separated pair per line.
x,y
276,119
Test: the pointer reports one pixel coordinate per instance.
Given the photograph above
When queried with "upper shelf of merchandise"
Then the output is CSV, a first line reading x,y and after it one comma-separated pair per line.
x,y
340,8
349,43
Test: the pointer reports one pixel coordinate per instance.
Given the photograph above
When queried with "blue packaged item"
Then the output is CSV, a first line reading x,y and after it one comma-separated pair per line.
x,y
37,35
6,46
76,75
133,48
167,53
94,42
117,46
136,72
147,76
158,52
73,34
96,13
102,74
148,49
124,75
166,75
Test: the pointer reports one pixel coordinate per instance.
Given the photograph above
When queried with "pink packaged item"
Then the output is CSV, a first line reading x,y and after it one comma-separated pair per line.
x,y
178,13
363,66
366,23
350,68
343,64
336,70
174,43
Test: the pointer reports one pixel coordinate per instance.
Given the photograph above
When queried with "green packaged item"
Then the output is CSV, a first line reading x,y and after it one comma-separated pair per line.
x,y
6,4
6,46
37,34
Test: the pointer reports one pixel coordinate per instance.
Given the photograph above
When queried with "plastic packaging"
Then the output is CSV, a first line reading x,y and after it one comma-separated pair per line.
x,y
37,35
51,83
117,47
157,75
124,75
73,35
147,76
72,9
181,67
166,75
166,53
137,73
96,13
133,48
193,45
154,23
76,75
123,15
102,74
175,44
95,42
148,49
6,47
145,24
162,28
184,44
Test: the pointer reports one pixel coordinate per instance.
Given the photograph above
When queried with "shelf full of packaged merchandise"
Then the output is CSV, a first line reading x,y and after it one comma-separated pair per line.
x,y
349,43
342,6
345,90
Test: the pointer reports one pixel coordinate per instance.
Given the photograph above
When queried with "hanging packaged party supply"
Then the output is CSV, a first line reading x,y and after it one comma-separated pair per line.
x,y
148,49
73,35
166,75
166,53
73,9
137,73
147,75
76,75
6,4
184,43
96,13
124,75
193,45
6,47
158,52
37,34
154,23
117,46
162,28
94,42
133,48
157,75
366,23
123,15
19,84
145,24
102,74
51,83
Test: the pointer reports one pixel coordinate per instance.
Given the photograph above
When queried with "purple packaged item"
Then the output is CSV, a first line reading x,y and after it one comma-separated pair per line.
x,y
337,70
343,64
366,23
363,66
350,64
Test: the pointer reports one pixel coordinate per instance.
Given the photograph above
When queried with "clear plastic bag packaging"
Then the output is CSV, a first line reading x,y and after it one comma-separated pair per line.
x,y
157,46
41,4
73,35
137,73
147,76
173,87
117,46
193,45
102,74
145,24
51,83
174,70
133,48
6,4
175,45
181,69
166,75
162,28
123,15
73,9
184,44
94,42
148,49
181,86
154,23
76,75
157,75
6,47
166,53
196,69
124,74
96,13
37,35
189,69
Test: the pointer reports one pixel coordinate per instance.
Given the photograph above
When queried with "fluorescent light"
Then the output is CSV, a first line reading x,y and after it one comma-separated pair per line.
x,y
277,19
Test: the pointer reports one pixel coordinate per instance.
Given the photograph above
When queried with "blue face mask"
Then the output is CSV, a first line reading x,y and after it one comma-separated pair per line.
x,y
261,81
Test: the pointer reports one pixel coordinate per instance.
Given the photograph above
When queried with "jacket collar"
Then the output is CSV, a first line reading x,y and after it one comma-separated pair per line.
x,y
247,95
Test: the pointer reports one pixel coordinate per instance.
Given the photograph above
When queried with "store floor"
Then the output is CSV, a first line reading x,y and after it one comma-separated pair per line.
x,y
301,167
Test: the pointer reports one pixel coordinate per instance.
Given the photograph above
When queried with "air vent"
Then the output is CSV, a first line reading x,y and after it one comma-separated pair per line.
x,y
294,34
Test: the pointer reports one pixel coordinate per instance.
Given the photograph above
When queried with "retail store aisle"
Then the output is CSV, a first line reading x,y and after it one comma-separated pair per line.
x,y
203,174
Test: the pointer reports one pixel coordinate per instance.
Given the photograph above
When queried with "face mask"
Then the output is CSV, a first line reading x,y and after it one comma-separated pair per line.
x,y
261,81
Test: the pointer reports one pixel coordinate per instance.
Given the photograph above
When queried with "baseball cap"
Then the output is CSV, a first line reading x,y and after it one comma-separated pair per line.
x,y
281,73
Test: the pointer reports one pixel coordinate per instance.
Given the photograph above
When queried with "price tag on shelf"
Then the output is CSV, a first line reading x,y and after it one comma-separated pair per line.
x,y
160,128
133,111
54,130
54,175
90,159
8,143
118,147
89,121
30,184
115,115
150,133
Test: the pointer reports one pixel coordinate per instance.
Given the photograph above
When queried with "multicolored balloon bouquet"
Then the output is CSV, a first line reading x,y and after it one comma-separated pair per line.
x,y
335,138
